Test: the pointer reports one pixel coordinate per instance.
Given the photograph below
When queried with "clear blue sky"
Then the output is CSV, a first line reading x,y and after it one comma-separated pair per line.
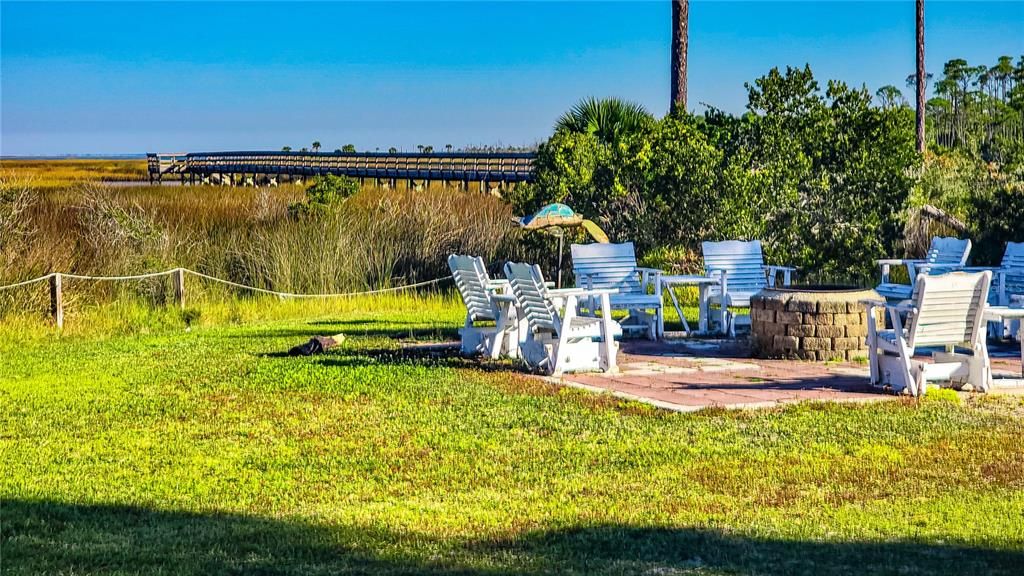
x,y
133,77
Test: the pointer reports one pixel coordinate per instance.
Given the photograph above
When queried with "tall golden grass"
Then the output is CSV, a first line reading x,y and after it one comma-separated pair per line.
x,y
376,238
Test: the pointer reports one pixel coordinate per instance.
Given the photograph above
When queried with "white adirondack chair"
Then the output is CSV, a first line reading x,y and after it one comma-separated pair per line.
x,y
556,340
946,311
483,303
613,266
1007,281
740,269
944,255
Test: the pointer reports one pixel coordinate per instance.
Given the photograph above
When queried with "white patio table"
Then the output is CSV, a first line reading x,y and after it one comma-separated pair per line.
x,y
702,283
1003,313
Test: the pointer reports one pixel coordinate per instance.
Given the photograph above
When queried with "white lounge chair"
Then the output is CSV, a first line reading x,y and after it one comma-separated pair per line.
x,y
484,303
556,340
946,312
604,266
944,255
740,269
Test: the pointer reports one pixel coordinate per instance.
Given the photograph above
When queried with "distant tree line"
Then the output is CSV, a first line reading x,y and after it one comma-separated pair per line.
x,y
978,109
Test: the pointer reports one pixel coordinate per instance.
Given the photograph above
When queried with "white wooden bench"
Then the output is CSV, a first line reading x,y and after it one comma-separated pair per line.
x,y
946,311
556,340
741,272
944,255
483,303
638,290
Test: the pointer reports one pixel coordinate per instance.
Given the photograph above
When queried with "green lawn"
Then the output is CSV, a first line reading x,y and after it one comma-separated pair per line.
x,y
209,452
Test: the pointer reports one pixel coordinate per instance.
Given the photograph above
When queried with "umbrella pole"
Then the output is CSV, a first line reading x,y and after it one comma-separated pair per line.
x,y
560,239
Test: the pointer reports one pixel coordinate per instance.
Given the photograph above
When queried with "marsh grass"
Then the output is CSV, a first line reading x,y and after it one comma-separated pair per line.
x,y
378,238
59,174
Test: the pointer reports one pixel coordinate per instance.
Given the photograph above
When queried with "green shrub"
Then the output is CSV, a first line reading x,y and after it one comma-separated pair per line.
x,y
325,194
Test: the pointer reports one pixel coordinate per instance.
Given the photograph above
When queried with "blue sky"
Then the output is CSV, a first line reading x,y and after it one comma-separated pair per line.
x,y
129,77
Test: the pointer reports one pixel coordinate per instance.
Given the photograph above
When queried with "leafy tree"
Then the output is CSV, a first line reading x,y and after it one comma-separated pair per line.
x,y
349,148
326,193
609,119
316,146
286,149
392,150
890,96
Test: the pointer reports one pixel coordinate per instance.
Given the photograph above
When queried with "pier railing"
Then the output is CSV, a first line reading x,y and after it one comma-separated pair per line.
x,y
445,166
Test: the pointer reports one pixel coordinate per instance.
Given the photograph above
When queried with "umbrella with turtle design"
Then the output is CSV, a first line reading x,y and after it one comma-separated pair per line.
x,y
554,219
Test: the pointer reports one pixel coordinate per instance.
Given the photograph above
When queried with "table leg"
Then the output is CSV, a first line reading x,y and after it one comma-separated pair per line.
x,y
703,308
679,310
608,337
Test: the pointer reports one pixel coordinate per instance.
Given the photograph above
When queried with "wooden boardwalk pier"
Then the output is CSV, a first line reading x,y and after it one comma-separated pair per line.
x,y
490,170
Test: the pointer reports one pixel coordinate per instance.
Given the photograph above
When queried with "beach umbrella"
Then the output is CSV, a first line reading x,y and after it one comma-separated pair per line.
x,y
554,219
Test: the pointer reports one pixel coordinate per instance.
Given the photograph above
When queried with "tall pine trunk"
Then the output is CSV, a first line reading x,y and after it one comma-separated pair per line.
x,y
920,76
680,43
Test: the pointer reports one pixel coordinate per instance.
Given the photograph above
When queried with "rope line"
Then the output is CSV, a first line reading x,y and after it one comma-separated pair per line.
x,y
230,283
27,282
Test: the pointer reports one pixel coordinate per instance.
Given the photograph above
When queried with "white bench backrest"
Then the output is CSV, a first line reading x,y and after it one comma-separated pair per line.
x,y
949,309
606,266
1013,268
527,284
742,261
1013,257
471,279
944,250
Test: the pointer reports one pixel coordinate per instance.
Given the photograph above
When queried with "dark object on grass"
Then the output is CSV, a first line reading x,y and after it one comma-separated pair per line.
x,y
317,345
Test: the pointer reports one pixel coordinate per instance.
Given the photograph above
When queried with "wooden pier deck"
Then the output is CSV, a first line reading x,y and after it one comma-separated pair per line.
x,y
488,169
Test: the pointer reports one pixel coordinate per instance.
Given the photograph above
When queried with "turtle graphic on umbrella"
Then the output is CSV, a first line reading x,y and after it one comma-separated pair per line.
x,y
554,219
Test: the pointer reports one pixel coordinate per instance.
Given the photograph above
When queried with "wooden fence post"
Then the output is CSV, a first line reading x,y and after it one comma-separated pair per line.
x,y
179,286
57,301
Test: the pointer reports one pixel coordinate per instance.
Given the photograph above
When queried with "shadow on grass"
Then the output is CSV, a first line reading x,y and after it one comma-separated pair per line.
x,y
50,537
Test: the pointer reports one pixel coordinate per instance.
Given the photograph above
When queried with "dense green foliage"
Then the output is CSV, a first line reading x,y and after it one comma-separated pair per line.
x,y
209,452
326,193
822,177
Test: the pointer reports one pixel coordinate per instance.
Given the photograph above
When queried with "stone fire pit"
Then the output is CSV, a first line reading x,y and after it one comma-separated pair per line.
x,y
810,322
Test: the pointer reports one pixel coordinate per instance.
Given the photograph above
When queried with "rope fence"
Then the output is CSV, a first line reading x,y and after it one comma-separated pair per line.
x,y
57,300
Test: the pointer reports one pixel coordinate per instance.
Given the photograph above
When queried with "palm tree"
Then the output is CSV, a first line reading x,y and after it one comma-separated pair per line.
x,y
680,44
920,81
608,119
316,145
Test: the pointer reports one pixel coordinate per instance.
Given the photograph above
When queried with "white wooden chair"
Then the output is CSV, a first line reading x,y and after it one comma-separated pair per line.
x,y
556,340
613,266
1007,281
946,311
483,303
740,269
944,255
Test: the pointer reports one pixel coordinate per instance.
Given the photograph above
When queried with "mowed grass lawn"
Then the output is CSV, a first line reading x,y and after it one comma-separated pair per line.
x,y
208,452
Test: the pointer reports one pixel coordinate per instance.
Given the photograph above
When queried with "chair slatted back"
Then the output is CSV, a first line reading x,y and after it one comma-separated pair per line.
x,y
743,262
1013,257
949,309
527,284
606,266
471,279
1012,269
945,250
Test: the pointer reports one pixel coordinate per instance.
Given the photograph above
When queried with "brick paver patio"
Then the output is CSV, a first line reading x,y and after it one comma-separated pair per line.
x,y
690,375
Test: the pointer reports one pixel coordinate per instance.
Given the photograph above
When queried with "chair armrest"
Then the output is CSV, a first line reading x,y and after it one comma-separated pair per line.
x,y
927,268
650,270
901,261
563,292
773,272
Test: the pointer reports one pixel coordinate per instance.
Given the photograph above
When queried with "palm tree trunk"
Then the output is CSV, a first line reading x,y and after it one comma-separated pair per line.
x,y
920,76
680,43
